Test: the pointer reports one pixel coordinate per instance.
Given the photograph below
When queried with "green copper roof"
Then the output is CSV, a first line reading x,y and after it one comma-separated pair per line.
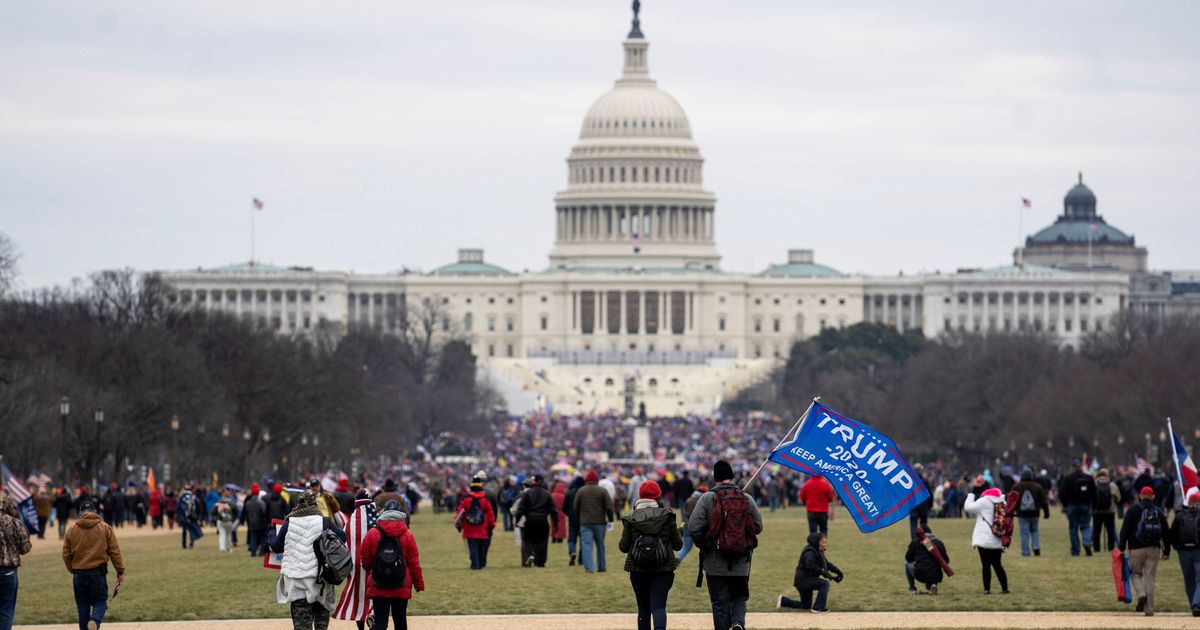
x,y
470,269
801,270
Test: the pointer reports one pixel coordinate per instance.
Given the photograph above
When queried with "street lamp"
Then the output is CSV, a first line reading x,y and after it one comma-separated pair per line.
x,y
316,441
98,416
175,448
64,410
246,455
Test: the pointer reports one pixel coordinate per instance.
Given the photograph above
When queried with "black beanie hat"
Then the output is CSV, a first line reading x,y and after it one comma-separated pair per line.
x,y
722,471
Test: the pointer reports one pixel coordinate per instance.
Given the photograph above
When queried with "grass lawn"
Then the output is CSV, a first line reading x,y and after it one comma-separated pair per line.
x,y
167,583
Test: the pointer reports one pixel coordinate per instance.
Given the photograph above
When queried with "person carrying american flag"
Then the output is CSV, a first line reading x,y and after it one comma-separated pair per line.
x,y
354,605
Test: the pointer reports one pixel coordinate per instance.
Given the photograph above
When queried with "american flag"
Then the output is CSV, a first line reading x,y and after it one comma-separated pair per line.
x,y
354,605
1144,466
1026,202
21,497
258,204
39,481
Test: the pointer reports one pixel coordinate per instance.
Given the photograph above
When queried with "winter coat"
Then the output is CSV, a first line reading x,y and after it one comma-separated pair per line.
x,y
655,521
1183,536
62,506
91,544
345,500
408,547
277,508
559,496
535,505
156,503
14,538
1039,498
1078,488
569,502
983,509
683,488
714,563
1129,526
814,564
816,494
593,505
187,509
1113,491
42,505
926,568
254,512
484,529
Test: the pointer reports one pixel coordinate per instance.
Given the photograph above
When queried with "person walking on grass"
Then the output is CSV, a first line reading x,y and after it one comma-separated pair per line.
x,y
476,520
1078,495
62,511
726,550
1185,536
310,599
1031,499
223,514
989,545
574,544
595,509
689,506
354,604
187,512
1144,533
559,496
534,506
650,537
816,494
14,543
254,514
87,550
814,572
390,557
1104,512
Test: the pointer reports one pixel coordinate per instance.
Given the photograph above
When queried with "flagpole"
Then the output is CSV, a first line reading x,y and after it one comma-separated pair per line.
x,y
799,424
1020,234
1175,456
251,233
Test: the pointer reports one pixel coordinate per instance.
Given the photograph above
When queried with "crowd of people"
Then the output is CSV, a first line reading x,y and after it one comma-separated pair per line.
x,y
572,481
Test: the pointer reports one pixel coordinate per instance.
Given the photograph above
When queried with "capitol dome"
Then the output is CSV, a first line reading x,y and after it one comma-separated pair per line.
x,y
635,196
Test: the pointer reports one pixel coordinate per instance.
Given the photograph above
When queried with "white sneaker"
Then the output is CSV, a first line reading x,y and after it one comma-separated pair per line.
x,y
819,612
779,602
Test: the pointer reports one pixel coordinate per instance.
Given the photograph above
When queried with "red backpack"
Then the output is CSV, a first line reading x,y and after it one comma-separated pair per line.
x,y
731,528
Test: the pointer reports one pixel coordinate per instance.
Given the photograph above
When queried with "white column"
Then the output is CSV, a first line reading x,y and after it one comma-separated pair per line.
x,y
642,313
622,325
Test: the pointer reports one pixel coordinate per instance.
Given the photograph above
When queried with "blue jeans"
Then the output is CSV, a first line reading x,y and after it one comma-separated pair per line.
x,y
508,517
573,541
688,543
8,597
477,547
592,535
91,596
1189,561
773,502
1079,520
1029,530
257,541
908,575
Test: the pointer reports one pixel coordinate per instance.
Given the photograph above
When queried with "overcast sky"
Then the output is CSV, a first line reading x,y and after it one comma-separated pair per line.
x,y
886,135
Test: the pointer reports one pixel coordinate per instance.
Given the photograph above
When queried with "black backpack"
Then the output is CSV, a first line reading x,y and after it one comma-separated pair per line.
x,y
387,566
475,512
649,553
333,558
1149,529
1189,528
1104,497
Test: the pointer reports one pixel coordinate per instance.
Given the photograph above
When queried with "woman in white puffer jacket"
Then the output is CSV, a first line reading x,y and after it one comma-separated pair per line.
x,y
990,547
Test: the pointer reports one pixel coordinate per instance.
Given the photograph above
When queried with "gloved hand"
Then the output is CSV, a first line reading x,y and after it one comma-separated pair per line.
x,y
839,577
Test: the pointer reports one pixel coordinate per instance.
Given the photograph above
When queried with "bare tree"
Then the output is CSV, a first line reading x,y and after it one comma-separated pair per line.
x,y
9,256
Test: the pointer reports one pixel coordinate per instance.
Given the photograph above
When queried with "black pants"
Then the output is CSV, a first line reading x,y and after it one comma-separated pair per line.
x,y
990,559
651,590
398,608
156,521
818,522
806,586
42,526
62,528
533,541
1108,522
728,595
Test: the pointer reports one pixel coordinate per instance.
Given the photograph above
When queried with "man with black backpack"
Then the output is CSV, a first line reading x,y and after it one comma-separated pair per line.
x,y
1144,532
536,505
725,526
1185,534
1104,513
1078,494
391,559
1031,499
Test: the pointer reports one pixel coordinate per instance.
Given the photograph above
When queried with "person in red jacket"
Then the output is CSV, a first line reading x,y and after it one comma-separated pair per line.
x,y
393,600
559,532
816,495
476,507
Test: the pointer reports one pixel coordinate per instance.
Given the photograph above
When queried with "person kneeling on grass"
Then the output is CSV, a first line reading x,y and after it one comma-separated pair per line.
x,y
926,561
813,574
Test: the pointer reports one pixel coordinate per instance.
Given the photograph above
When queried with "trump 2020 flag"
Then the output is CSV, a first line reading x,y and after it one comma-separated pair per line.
x,y
868,473
22,499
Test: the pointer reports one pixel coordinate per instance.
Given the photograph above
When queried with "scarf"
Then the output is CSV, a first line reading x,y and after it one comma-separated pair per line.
x,y
645,503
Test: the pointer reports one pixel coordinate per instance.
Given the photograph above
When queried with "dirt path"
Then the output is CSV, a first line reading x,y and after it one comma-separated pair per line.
x,y
837,621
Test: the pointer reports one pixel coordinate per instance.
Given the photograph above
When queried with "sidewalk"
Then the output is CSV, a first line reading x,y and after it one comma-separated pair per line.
x,y
693,621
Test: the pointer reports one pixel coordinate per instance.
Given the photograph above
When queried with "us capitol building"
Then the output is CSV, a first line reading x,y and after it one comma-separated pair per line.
x,y
634,288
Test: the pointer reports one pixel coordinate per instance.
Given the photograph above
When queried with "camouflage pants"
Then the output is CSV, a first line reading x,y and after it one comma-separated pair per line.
x,y
306,616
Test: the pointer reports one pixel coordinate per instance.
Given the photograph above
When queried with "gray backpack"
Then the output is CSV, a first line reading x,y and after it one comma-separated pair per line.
x,y
333,558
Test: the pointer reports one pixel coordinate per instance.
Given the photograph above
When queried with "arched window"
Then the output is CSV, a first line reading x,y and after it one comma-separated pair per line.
x,y
468,321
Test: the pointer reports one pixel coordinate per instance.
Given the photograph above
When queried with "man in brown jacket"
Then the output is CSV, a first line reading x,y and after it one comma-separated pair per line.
x,y
87,550
595,510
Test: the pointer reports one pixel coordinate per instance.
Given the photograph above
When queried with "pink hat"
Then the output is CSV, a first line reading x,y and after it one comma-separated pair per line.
x,y
993,492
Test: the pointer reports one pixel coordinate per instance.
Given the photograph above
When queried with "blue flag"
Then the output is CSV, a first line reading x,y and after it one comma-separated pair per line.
x,y
21,497
865,468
